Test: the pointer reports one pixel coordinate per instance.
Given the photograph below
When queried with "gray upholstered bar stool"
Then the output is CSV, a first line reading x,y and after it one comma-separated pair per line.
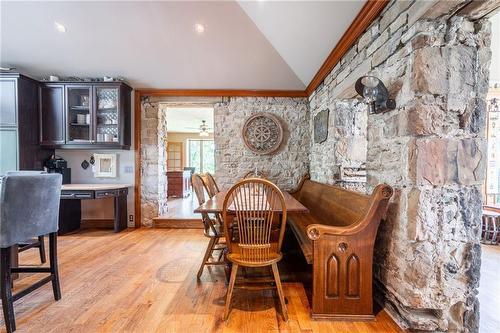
x,y
38,242
29,207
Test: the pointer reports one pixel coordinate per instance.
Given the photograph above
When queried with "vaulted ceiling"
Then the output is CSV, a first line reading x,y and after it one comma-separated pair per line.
x,y
245,45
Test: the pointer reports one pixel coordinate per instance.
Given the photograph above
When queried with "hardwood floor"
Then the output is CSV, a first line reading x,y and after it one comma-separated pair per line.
x,y
180,214
489,289
144,280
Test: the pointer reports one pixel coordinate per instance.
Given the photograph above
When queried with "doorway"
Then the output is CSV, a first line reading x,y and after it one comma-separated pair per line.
x,y
190,149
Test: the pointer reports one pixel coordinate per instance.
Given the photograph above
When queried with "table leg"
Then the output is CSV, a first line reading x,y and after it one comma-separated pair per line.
x,y
70,216
120,222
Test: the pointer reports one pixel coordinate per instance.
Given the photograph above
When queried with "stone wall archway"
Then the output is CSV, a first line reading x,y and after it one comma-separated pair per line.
x,y
285,167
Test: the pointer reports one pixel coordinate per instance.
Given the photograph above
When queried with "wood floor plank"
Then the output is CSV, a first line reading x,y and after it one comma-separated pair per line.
x,y
145,281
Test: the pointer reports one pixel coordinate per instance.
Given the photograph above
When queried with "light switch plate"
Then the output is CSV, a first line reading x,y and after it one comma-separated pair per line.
x,y
129,169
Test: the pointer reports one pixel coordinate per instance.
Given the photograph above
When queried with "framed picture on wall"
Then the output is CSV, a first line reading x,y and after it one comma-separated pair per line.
x,y
321,126
105,165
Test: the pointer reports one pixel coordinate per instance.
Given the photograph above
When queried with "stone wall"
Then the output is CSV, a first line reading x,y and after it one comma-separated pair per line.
x,y
345,147
431,149
153,162
233,160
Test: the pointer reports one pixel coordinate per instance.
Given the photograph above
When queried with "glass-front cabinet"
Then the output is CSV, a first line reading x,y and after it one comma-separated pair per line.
x,y
96,115
79,114
107,115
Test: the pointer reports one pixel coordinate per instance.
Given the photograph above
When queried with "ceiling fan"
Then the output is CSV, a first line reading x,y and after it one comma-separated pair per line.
x,y
203,128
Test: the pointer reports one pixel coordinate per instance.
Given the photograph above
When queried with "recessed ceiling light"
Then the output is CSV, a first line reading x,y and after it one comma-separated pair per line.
x,y
199,28
60,27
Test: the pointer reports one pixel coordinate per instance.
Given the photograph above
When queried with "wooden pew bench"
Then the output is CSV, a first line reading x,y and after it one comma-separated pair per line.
x,y
337,238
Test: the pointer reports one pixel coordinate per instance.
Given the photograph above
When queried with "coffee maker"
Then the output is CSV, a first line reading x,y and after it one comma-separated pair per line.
x,y
56,164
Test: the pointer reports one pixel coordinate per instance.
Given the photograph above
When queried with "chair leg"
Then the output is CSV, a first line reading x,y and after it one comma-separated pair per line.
x,y
53,265
280,291
220,255
210,246
41,249
232,280
6,289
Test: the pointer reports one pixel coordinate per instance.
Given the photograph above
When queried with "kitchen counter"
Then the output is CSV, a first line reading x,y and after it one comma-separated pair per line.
x,y
93,187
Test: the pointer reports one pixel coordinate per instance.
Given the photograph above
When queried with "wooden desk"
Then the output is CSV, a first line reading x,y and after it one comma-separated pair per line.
x,y
214,205
70,212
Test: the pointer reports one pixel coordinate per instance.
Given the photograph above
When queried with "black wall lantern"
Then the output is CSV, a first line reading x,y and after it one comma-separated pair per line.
x,y
375,94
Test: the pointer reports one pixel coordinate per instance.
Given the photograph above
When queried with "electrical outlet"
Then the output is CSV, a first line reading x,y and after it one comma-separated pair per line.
x,y
129,169
131,218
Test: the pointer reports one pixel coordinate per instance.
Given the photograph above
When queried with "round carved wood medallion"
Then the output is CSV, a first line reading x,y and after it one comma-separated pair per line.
x,y
262,133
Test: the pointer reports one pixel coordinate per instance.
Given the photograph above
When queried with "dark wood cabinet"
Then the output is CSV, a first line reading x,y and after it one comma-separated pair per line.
x,y
80,115
19,124
52,113
179,183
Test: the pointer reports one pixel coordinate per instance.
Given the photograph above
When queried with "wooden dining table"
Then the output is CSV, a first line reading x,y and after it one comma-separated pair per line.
x,y
214,205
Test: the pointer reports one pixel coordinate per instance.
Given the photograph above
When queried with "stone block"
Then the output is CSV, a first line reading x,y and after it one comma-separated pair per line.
x,y
398,23
365,40
393,12
425,119
461,61
447,161
150,113
429,72
378,42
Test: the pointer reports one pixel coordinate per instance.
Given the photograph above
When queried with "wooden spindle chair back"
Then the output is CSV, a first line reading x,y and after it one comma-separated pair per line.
x,y
211,185
199,190
254,203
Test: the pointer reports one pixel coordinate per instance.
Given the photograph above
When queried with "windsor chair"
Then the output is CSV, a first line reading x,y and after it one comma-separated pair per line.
x,y
253,207
212,230
211,185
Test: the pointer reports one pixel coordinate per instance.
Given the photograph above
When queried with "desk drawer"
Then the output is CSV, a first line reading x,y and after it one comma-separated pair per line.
x,y
106,194
123,191
77,195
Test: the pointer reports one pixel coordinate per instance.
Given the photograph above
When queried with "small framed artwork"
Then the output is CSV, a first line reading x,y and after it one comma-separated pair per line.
x,y
105,165
321,126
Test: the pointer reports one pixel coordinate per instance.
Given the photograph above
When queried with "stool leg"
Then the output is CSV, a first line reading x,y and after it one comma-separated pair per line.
x,y
41,249
53,265
6,289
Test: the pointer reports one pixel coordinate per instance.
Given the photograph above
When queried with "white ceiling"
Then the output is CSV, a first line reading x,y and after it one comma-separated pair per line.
x,y
303,32
246,45
188,120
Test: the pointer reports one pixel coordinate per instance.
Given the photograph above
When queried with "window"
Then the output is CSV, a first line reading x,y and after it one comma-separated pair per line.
x,y
201,155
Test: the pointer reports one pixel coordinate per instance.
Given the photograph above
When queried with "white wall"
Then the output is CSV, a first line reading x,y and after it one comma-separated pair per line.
x,y
102,208
495,50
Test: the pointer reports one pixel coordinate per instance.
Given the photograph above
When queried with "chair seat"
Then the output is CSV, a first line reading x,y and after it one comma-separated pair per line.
x,y
254,257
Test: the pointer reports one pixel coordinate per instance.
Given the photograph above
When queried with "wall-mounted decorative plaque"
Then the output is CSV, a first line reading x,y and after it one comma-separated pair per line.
x,y
321,126
262,133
